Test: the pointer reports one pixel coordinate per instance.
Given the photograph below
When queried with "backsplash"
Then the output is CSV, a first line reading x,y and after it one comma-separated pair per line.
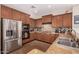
x,y
47,27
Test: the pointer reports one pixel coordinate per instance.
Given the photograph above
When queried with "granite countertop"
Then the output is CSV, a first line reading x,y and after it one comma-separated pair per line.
x,y
59,48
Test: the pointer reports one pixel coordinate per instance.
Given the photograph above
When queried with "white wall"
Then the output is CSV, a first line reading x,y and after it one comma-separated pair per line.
x,y
75,26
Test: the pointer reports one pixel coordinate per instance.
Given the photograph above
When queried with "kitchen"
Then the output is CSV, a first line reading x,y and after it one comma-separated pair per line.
x,y
41,28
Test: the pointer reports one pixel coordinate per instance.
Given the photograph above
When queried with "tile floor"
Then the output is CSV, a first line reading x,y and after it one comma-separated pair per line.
x,y
34,45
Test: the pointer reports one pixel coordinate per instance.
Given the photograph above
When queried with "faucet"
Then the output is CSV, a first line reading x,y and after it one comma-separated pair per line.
x,y
67,30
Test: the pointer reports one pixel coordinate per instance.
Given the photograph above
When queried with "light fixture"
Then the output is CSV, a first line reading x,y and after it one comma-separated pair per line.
x,y
34,9
49,6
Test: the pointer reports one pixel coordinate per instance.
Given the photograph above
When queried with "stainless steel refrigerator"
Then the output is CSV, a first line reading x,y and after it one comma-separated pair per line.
x,y
11,35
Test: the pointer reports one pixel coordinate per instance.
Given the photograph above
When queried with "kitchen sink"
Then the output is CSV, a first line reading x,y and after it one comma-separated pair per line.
x,y
68,42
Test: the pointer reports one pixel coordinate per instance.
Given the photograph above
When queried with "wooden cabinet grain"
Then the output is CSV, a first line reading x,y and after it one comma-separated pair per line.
x,y
32,36
25,18
10,13
64,20
32,22
47,19
16,15
57,21
50,38
6,12
38,22
67,20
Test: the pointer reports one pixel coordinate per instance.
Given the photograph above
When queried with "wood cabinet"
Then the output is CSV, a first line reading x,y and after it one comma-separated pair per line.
x,y
67,20
57,21
64,20
32,37
6,12
10,13
38,23
16,15
47,19
50,38
32,22
25,18
0,11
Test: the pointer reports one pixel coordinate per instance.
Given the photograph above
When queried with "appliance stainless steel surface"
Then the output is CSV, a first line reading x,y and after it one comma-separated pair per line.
x,y
11,35
0,36
25,31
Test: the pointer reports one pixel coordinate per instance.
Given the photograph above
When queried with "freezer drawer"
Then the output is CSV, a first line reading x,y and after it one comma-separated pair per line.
x,y
11,46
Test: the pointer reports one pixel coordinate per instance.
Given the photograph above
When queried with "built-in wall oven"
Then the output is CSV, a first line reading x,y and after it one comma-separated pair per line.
x,y
25,31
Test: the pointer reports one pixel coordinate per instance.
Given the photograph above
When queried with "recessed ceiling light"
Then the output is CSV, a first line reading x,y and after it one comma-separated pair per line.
x,y
49,6
36,11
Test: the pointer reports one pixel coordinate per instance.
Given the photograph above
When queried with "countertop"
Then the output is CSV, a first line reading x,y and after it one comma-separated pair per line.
x,y
56,48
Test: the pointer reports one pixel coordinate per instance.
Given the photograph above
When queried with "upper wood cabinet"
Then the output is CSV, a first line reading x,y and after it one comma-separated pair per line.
x,y
38,22
25,18
16,15
32,22
67,20
64,20
47,18
6,12
57,21
10,13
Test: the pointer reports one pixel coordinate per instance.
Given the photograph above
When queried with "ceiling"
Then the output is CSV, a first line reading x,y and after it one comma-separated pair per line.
x,y
38,10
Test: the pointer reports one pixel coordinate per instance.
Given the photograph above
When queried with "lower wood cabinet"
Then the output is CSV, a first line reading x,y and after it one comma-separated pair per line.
x,y
49,38
31,38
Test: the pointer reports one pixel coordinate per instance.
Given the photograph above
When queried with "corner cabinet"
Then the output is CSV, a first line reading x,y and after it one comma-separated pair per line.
x,y
47,18
38,23
6,12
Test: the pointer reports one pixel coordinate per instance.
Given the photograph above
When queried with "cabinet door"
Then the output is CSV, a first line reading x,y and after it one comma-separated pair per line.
x,y
27,19
67,20
38,23
47,19
57,21
54,21
16,15
32,22
23,18
32,36
6,12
